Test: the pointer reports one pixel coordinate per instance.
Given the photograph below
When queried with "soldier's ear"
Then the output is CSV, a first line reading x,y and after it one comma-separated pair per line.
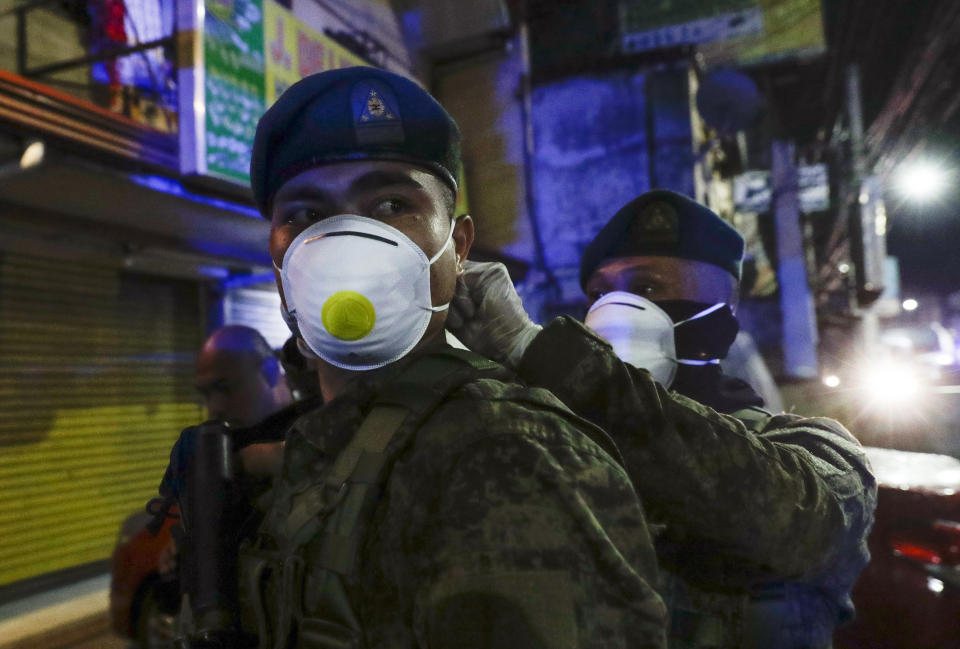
x,y
463,233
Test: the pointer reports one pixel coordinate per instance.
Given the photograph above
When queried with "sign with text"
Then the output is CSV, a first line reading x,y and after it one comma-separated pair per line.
x,y
739,32
294,50
234,74
649,26
245,53
792,29
752,191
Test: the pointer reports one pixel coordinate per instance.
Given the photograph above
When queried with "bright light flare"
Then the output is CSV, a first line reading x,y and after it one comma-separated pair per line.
x,y
910,304
921,181
831,380
890,384
33,154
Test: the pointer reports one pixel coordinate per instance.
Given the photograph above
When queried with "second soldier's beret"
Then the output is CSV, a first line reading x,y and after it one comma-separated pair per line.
x,y
662,223
351,114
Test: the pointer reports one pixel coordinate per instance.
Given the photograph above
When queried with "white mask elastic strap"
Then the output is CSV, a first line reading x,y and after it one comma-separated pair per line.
x,y
441,307
705,312
445,244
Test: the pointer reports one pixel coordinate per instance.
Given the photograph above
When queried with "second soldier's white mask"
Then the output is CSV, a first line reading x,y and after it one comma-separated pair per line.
x,y
641,333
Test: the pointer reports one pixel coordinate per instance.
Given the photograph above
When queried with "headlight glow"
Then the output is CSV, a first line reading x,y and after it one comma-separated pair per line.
x,y
831,380
890,384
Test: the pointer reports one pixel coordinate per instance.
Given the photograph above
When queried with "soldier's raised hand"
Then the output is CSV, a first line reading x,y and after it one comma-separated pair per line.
x,y
488,316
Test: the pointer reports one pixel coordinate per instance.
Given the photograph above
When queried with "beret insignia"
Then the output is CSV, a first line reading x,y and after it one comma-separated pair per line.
x,y
376,115
658,222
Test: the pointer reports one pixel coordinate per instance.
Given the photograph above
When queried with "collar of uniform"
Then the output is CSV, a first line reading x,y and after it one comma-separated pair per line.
x,y
329,427
711,387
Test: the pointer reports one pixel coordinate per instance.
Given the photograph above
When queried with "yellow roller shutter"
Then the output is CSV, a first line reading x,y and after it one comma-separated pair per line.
x,y
96,382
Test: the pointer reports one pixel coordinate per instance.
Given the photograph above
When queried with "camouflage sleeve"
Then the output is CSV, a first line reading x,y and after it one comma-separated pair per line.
x,y
782,502
535,543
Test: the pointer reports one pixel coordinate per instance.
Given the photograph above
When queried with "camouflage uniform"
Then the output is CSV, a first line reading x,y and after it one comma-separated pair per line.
x,y
503,523
746,520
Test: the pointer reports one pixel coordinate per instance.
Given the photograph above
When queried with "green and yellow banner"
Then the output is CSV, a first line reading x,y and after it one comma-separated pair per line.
x,y
253,50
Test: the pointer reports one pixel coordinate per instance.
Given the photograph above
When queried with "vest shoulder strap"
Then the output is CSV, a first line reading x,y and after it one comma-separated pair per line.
x,y
415,393
404,402
754,417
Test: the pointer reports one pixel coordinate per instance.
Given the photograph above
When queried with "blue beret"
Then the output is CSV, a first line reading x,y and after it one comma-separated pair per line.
x,y
662,223
357,113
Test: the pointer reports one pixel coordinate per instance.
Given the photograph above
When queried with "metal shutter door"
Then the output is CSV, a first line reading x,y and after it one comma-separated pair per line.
x,y
96,382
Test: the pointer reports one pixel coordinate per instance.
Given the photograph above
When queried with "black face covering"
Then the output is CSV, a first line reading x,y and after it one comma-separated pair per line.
x,y
706,338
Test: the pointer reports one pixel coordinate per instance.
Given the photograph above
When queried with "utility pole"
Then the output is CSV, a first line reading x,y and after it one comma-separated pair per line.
x,y
799,337
870,216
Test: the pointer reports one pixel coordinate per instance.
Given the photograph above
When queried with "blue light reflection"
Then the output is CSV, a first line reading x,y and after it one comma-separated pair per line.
x,y
175,188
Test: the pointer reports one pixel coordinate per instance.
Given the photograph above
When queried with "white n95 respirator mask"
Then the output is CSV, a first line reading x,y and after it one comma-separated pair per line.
x,y
642,334
359,291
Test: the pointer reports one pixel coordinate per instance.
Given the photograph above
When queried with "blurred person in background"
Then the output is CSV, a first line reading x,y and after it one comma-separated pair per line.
x,y
239,377
762,518
240,381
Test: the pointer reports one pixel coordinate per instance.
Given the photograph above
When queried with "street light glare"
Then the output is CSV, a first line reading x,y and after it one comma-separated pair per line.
x,y
910,304
890,384
33,154
922,181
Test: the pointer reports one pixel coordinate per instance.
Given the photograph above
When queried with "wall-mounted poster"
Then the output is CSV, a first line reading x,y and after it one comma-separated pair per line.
x,y
733,32
234,73
295,50
245,53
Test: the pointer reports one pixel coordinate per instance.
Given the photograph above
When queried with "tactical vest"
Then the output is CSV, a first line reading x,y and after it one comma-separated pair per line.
x,y
293,576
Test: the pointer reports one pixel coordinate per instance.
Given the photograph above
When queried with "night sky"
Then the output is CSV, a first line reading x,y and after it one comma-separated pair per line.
x,y
926,240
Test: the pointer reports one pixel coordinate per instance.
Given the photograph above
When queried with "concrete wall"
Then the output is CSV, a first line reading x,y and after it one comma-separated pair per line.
x,y
482,95
591,157
592,152
600,141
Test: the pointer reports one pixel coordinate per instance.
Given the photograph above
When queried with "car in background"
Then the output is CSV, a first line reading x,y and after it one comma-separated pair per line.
x,y
908,596
143,602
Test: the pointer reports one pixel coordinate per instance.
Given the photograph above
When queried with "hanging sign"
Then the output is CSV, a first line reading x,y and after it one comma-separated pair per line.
x,y
245,53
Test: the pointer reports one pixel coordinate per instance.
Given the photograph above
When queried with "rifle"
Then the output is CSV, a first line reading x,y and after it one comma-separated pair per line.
x,y
201,480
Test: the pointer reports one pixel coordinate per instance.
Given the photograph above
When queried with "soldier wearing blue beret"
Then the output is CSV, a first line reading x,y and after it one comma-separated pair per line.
x,y
432,501
762,518
665,224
